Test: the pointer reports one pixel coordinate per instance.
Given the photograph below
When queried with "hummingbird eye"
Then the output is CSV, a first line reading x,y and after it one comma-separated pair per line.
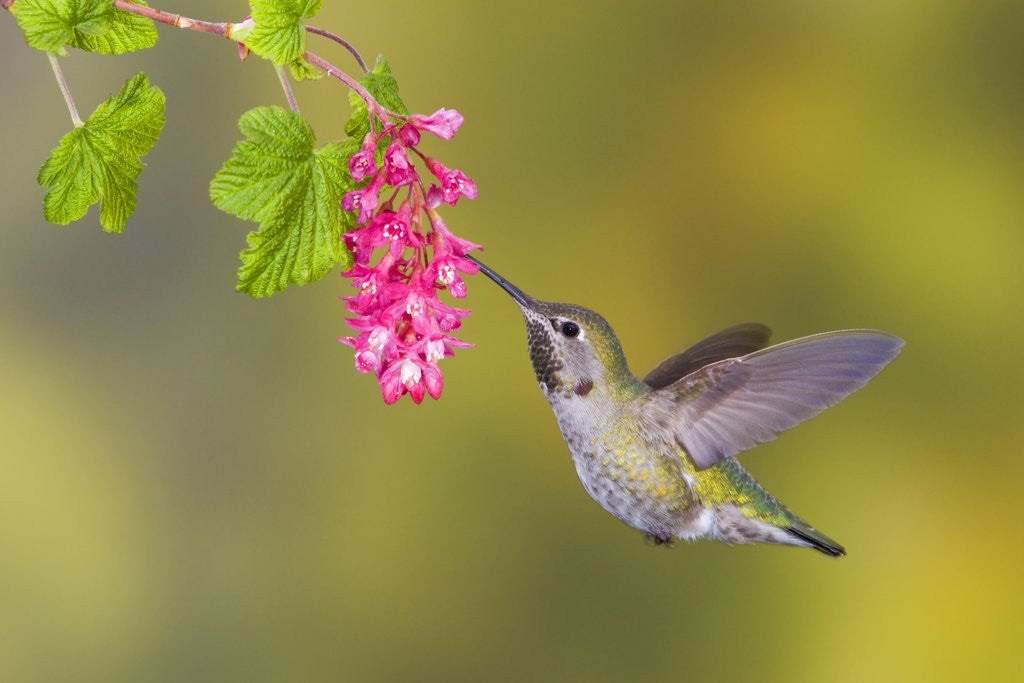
x,y
570,329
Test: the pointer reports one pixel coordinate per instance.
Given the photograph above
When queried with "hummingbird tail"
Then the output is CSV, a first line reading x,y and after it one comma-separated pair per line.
x,y
817,540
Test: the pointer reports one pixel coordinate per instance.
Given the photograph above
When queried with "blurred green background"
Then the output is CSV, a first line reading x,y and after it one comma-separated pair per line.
x,y
195,486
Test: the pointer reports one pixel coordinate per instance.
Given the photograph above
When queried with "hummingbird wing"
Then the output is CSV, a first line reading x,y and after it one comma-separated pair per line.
x,y
729,406
737,340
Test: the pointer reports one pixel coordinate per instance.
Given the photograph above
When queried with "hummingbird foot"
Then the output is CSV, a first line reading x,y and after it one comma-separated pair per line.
x,y
658,540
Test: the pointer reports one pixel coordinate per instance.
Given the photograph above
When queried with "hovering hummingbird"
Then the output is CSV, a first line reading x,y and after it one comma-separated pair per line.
x,y
658,452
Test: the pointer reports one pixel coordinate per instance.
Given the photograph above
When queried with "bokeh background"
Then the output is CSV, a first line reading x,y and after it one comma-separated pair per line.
x,y
195,486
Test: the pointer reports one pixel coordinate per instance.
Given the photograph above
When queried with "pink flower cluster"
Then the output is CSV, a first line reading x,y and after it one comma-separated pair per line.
x,y
404,327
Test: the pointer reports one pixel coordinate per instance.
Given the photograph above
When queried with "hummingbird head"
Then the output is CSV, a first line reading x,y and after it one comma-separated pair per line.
x,y
573,349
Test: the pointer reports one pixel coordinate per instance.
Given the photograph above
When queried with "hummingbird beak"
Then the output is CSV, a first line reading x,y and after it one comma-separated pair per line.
x,y
521,298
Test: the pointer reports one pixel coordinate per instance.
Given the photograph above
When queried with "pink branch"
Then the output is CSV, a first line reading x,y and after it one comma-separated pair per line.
x,y
340,41
175,20
333,71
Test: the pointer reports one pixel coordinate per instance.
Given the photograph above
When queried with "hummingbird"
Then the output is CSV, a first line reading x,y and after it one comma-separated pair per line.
x,y
659,453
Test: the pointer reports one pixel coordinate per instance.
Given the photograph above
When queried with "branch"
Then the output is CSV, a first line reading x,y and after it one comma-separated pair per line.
x,y
331,70
222,29
282,75
340,41
226,30
64,89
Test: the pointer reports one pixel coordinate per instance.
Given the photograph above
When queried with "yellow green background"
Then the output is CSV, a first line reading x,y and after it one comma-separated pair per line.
x,y
196,486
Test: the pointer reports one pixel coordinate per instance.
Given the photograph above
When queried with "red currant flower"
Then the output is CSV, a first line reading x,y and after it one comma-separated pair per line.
x,y
367,361
403,328
365,200
393,381
443,123
363,163
445,271
432,379
416,304
370,284
438,346
397,166
434,197
409,135
387,229
448,242
454,183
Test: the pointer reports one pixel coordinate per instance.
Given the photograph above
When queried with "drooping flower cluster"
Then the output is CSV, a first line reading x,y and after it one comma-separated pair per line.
x,y
404,327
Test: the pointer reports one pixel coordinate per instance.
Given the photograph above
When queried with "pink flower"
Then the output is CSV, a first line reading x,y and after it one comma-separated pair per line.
x,y
434,349
433,379
412,376
365,200
382,340
387,229
449,319
409,135
417,305
412,379
438,346
375,338
434,197
361,201
391,384
366,361
446,242
362,164
403,328
446,269
369,289
396,165
454,183
443,123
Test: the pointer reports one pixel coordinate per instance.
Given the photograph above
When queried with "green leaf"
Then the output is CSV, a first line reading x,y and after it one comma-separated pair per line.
x,y
92,25
303,70
128,32
278,179
382,85
101,160
279,34
51,24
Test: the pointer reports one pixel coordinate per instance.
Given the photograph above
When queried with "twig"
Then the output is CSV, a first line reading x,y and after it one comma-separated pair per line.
x,y
333,71
222,29
226,30
282,76
65,91
340,41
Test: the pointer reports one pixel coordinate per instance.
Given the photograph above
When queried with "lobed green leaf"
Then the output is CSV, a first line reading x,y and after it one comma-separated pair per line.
x,y
101,160
91,25
279,34
278,179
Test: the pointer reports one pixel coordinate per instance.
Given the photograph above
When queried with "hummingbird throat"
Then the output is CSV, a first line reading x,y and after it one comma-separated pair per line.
x,y
546,361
